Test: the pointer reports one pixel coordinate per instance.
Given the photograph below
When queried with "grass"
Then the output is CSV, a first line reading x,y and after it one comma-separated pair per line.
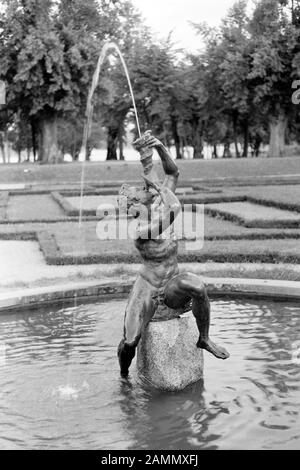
x,y
69,232
225,240
33,207
4,195
63,243
283,193
122,171
226,251
277,273
285,197
255,215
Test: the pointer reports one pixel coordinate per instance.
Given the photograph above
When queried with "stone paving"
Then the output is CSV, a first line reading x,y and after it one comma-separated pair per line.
x,y
22,263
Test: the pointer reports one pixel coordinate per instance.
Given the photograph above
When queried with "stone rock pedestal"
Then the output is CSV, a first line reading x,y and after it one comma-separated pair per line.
x,y
167,355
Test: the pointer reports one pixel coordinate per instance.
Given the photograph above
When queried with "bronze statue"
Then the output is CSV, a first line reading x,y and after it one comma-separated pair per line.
x,y
159,281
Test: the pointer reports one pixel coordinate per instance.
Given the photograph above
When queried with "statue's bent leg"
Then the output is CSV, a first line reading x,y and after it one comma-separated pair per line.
x,y
139,311
187,286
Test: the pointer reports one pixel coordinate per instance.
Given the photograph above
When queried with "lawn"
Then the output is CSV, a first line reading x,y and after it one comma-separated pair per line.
x,y
124,171
225,240
33,207
255,215
287,196
85,250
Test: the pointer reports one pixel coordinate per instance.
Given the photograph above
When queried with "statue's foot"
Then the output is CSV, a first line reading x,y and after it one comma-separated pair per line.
x,y
211,347
125,354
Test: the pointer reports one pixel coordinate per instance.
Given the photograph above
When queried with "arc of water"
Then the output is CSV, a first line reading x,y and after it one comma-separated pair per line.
x,y
86,132
89,108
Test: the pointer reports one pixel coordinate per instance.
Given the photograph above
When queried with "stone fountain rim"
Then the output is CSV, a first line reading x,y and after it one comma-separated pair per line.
x,y
237,288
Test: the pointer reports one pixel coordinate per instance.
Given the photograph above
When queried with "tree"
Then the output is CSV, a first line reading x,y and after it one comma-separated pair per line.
x,y
20,136
45,70
235,50
157,85
48,51
275,38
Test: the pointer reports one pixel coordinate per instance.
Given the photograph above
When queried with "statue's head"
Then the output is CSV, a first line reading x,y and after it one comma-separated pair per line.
x,y
132,197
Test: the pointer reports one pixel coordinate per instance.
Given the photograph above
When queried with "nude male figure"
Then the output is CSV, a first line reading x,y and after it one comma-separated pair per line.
x,y
159,280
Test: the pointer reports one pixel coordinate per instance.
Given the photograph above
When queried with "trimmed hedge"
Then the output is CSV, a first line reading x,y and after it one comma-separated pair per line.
x,y
4,197
196,199
214,253
257,236
191,257
23,236
271,203
71,210
72,213
47,221
64,204
283,224
89,192
49,247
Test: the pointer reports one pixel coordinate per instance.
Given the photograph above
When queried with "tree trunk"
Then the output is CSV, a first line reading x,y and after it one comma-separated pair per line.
x,y
74,146
48,151
33,137
121,146
39,144
5,147
215,151
76,154
235,135
257,144
176,137
88,152
227,151
277,127
3,152
2,147
246,139
197,141
112,142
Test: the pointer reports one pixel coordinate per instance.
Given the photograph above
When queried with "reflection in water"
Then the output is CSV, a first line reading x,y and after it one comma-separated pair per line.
x,y
147,424
60,384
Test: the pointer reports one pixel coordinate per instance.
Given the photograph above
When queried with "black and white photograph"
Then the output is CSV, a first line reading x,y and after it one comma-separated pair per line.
x,y
149,228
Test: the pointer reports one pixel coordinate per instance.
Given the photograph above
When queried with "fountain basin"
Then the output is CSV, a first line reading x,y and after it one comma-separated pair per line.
x,y
61,387
93,290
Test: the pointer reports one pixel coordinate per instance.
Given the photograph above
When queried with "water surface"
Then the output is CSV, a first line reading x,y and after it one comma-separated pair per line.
x,y
60,385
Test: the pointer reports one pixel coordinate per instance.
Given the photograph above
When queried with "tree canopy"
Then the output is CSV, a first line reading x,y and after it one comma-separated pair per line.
x,y
236,90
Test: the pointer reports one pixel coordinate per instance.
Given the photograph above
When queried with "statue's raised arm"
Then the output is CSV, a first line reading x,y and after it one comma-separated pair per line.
x,y
169,165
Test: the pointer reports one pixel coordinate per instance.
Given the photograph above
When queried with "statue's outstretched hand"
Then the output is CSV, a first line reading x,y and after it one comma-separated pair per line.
x,y
151,141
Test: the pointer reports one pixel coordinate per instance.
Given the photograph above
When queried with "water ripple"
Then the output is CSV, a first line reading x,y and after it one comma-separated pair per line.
x,y
60,384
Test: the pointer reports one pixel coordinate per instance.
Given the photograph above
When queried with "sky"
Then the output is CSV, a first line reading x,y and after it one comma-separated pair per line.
x,y
166,15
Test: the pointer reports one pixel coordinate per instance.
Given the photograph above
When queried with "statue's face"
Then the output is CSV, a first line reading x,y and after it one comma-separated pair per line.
x,y
135,196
